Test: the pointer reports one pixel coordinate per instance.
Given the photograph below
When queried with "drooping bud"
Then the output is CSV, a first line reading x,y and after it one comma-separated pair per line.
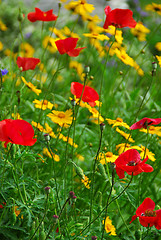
x,y
47,190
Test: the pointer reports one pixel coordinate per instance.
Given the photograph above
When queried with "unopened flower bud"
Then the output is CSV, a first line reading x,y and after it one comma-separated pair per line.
x,y
120,72
73,102
87,69
74,199
91,77
93,237
20,16
102,126
47,137
71,194
55,218
47,190
79,171
154,65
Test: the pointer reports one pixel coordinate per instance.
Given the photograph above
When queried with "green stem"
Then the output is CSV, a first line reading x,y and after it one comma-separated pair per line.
x,y
93,176
45,212
115,198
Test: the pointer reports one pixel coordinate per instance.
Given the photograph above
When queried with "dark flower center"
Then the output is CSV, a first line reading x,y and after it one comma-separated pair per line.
x,y
149,213
157,9
132,163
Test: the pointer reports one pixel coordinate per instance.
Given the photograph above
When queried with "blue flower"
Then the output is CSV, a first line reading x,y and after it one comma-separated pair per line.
x,y
4,71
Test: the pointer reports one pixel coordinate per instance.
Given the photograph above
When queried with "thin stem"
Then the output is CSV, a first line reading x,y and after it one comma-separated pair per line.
x,y
115,198
45,212
93,176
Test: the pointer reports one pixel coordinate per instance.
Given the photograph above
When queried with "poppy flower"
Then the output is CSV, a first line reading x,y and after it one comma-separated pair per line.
x,y
67,46
16,131
130,162
27,63
39,15
145,122
147,216
89,94
119,18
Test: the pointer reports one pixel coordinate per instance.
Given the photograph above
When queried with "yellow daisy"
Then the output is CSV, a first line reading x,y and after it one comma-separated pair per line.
x,y
159,60
93,35
49,43
31,86
158,46
86,182
140,31
80,7
26,50
70,140
61,117
104,158
43,104
109,228
48,154
1,46
154,7
3,27
117,122
125,135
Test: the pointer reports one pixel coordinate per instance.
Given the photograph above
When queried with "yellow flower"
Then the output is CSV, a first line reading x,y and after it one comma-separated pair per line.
x,y
70,140
96,117
109,228
89,18
152,130
26,50
140,31
158,46
38,126
117,122
68,33
94,28
78,66
124,147
3,27
49,43
125,135
17,211
159,60
104,158
61,118
154,7
16,116
93,35
31,86
57,32
80,7
48,154
49,130
1,46
86,182
80,157
118,33
95,43
43,104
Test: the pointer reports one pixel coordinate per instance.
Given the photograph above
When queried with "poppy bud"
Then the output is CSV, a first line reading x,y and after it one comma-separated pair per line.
x,y
93,237
79,171
71,194
42,234
32,229
102,126
47,137
47,190
20,16
87,69
55,218
102,171
154,65
138,235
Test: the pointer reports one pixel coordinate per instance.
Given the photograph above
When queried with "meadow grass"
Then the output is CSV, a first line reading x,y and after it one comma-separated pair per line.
x,y
65,186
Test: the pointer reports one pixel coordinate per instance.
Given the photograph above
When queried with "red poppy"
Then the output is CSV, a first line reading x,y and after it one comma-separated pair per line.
x,y
145,122
119,18
39,15
89,94
147,216
27,63
67,46
130,162
17,131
